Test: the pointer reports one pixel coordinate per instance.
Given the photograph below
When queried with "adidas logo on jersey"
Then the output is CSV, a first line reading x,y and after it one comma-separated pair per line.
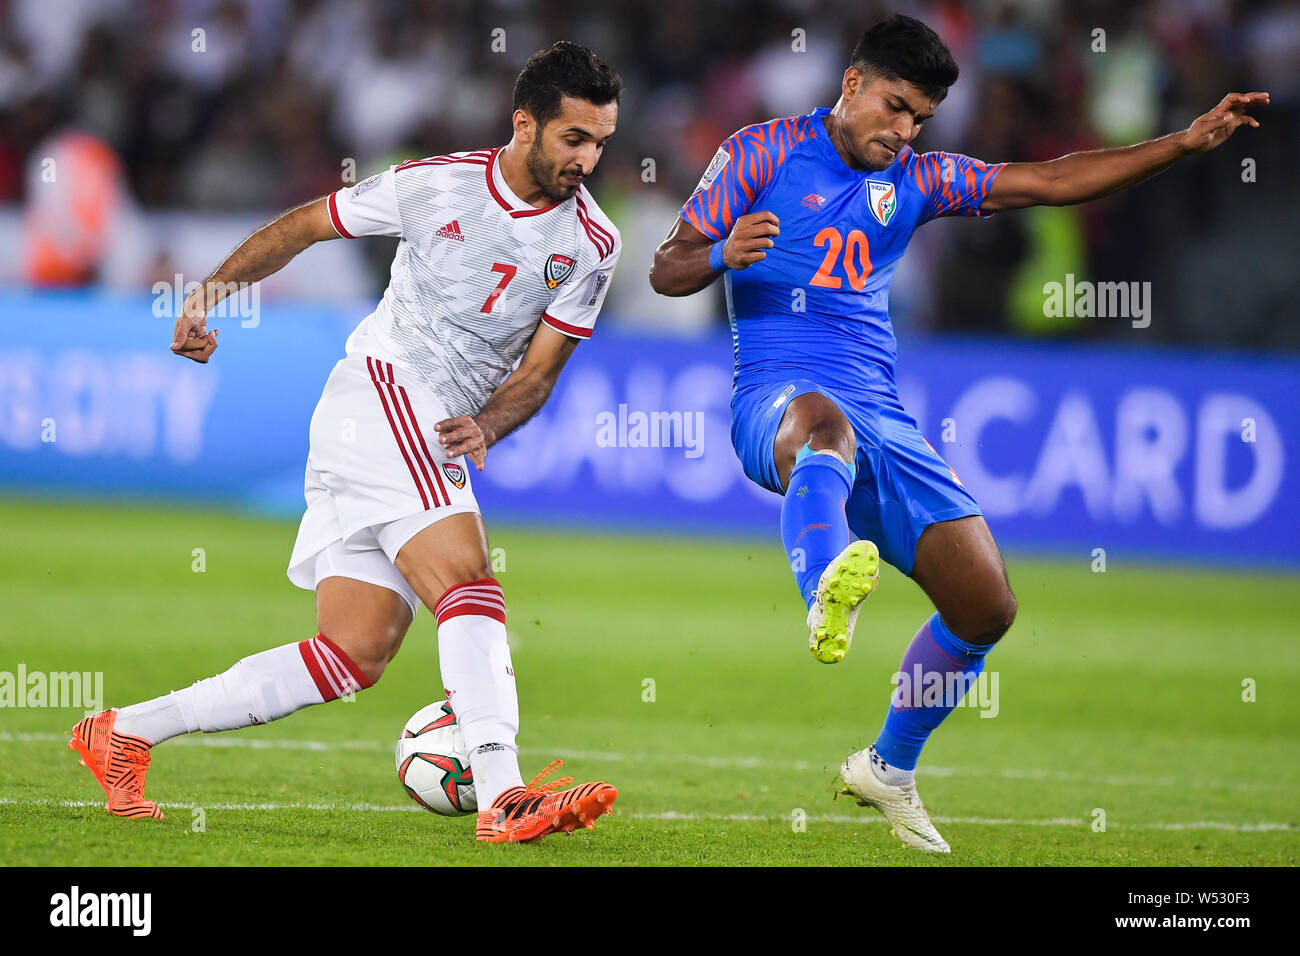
x,y
813,201
451,231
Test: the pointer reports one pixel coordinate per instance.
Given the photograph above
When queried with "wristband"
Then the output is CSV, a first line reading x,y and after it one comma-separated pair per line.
x,y
716,262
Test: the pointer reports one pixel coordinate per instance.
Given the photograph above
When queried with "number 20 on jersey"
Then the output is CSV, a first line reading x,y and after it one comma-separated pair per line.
x,y
856,263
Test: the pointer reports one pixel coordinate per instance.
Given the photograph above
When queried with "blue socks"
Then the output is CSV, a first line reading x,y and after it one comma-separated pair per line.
x,y
814,529
937,670
938,667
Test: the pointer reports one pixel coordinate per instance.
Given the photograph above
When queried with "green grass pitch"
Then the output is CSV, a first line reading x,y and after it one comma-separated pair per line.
x,y
1119,692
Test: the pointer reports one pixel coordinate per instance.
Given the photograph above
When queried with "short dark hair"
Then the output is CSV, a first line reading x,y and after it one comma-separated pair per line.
x,y
566,69
903,48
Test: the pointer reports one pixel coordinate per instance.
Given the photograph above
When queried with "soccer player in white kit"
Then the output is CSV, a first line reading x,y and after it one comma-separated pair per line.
x,y
503,265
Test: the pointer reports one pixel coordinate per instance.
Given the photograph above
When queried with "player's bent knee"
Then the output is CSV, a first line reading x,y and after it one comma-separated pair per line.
x,y
989,622
834,436
822,428
453,551
475,571
366,622
370,648
370,657
1006,615
830,433
430,582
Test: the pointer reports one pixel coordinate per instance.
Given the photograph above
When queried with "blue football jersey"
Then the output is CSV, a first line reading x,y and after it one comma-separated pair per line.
x,y
817,306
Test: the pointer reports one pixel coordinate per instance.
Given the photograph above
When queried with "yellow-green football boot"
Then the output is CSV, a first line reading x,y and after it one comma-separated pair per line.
x,y
844,585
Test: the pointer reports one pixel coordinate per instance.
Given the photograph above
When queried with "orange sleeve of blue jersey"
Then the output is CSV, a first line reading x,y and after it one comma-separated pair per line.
x,y
740,170
953,184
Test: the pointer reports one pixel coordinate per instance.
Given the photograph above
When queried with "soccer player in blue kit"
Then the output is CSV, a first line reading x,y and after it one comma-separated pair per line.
x,y
806,218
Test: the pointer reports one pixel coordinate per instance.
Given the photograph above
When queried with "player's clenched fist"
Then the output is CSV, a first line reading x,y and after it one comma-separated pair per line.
x,y
752,236
463,436
191,338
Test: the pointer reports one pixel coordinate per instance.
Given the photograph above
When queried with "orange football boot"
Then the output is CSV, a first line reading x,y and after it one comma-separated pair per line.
x,y
528,813
119,763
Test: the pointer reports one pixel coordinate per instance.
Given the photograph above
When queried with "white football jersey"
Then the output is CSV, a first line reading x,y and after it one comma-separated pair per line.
x,y
475,271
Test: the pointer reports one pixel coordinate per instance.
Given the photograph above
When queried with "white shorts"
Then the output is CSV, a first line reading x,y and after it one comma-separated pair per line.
x,y
376,477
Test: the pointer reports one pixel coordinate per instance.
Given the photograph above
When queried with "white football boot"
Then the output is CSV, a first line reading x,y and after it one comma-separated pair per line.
x,y
900,805
844,585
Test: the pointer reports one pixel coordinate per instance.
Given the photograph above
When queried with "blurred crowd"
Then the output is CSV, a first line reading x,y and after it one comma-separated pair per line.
x,y
255,105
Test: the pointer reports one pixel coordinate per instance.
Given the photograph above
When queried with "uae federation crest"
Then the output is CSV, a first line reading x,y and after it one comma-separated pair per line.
x,y
883,201
455,473
558,268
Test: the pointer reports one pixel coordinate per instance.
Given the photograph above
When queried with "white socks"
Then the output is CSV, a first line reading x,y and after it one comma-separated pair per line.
x,y
476,673
154,721
888,774
257,690
480,683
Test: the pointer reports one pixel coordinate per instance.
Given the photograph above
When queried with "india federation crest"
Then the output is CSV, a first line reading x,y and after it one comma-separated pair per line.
x,y
883,201
558,268
455,474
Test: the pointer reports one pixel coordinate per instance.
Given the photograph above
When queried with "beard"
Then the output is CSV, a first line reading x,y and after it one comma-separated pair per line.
x,y
547,174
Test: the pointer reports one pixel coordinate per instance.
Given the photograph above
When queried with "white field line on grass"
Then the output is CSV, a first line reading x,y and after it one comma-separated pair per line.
x,y
673,816
231,740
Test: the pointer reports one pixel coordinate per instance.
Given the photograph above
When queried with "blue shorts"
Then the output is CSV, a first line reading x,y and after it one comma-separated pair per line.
x,y
902,484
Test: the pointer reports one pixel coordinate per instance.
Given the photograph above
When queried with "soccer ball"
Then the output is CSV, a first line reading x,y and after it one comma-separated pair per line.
x,y
432,764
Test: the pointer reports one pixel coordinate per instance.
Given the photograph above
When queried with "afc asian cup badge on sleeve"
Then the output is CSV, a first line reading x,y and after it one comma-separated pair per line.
x,y
719,160
558,268
455,473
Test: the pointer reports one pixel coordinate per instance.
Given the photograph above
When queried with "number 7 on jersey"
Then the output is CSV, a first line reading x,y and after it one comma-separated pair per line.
x,y
507,273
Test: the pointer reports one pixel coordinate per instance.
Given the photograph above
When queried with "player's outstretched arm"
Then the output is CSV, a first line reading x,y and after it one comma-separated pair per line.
x,y
682,263
516,401
264,252
1080,177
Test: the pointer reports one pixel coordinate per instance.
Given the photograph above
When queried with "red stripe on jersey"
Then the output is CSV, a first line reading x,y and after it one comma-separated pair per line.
x,y
600,230
601,239
595,238
410,443
576,331
597,233
446,499
452,162
492,187
383,400
478,154
496,194
334,218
